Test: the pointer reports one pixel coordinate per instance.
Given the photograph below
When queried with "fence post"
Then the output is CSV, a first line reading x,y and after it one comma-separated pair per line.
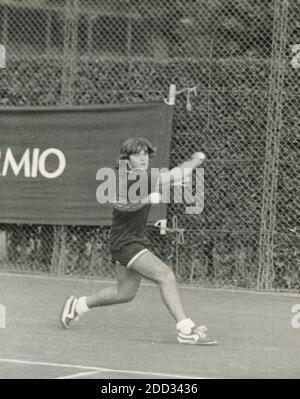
x,y
70,52
274,127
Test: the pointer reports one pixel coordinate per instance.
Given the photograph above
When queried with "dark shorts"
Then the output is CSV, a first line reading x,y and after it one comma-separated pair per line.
x,y
128,254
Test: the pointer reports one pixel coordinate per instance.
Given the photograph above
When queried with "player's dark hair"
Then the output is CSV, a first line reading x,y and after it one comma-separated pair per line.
x,y
134,145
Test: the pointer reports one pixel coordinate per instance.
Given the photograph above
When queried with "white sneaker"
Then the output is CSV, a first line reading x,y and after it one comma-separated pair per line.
x,y
196,337
68,312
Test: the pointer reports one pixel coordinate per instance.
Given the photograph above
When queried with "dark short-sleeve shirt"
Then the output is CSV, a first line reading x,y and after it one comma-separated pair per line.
x,y
129,219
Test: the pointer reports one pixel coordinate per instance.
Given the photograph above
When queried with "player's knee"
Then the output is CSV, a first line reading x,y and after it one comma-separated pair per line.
x,y
168,277
127,296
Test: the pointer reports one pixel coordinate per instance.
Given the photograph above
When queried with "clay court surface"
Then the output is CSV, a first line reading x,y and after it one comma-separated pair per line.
x,y
138,340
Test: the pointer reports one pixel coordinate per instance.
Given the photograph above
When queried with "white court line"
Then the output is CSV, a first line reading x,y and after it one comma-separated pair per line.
x,y
98,369
147,284
78,375
131,372
32,363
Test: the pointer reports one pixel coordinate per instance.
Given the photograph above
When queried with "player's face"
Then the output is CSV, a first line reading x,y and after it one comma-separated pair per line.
x,y
140,160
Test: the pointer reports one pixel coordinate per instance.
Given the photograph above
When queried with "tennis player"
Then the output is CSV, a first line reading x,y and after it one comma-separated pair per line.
x,y
130,249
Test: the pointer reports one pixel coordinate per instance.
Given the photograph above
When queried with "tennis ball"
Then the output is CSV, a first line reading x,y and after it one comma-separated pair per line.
x,y
154,198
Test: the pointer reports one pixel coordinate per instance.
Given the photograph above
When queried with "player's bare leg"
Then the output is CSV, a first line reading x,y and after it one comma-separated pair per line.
x,y
128,282
151,267
125,291
154,269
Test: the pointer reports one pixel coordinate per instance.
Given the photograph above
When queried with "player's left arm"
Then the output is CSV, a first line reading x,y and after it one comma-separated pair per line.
x,y
182,172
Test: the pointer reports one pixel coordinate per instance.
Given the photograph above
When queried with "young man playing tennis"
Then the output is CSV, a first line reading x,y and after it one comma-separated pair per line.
x,y
129,249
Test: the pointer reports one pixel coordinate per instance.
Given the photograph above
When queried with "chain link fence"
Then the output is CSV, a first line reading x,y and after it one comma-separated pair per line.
x,y
241,110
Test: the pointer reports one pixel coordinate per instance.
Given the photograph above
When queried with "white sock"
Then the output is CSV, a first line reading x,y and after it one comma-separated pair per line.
x,y
81,306
185,326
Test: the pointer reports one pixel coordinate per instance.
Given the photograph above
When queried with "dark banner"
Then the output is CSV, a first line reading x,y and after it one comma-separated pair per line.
x,y
49,158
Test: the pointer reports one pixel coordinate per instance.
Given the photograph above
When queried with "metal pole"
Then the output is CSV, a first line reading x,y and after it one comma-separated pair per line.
x,y
172,94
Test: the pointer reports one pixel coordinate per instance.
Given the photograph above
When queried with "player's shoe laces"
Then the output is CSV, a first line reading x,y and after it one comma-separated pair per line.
x,y
69,313
197,336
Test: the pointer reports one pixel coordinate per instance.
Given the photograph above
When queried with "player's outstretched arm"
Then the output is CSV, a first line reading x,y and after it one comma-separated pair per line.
x,y
182,171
